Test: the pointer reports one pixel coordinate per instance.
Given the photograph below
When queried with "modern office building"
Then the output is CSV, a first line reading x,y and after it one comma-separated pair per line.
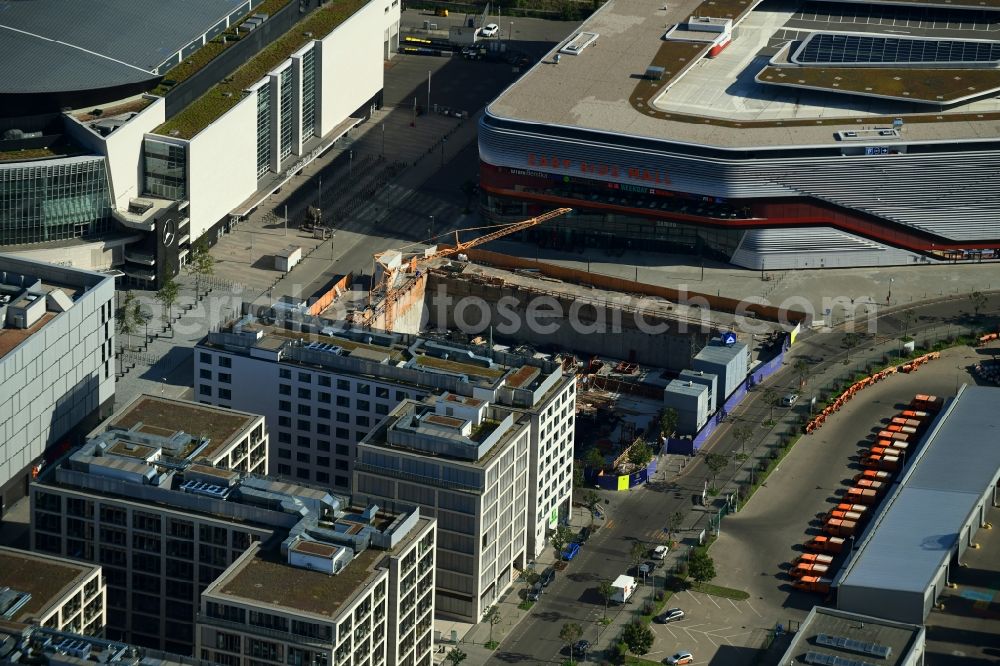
x,y
52,592
57,375
144,498
463,461
30,645
136,147
323,391
359,591
799,135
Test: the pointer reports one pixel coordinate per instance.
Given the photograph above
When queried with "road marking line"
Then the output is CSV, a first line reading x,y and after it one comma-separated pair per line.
x,y
733,603
753,609
693,597
713,601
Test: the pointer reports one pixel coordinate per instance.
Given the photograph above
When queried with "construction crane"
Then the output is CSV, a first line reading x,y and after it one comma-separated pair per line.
x,y
392,264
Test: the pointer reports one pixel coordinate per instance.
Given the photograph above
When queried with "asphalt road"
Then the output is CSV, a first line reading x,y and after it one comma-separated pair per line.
x,y
634,515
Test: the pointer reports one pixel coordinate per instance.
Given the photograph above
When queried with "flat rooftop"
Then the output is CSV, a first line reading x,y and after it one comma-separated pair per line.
x,y
47,579
918,529
719,102
900,638
52,45
268,580
164,417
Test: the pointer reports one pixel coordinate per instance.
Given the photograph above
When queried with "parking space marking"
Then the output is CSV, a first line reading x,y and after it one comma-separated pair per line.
x,y
693,597
713,601
753,609
733,603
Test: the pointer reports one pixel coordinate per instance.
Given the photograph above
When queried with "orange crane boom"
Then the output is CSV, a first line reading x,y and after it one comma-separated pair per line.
x,y
392,291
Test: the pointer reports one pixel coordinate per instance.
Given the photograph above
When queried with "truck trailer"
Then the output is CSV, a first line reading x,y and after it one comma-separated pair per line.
x,y
623,588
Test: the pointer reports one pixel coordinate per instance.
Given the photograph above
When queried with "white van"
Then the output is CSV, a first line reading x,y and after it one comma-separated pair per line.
x,y
660,552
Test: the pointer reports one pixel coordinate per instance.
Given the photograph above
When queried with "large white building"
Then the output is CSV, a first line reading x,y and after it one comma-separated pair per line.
x,y
322,393
57,333
464,462
147,176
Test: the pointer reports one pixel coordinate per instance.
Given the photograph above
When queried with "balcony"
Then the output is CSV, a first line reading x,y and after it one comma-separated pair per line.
x,y
139,274
139,257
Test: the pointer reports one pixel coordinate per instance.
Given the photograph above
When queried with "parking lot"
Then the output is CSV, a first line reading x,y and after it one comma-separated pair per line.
x,y
716,630
756,546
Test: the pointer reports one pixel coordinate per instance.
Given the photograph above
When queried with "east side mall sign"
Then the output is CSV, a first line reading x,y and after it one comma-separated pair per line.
x,y
598,169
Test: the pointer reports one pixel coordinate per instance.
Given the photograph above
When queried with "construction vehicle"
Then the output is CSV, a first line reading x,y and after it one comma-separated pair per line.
x,y
868,484
927,403
873,475
813,558
834,514
889,463
841,528
813,584
861,496
894,436
808,569
391,264
825,544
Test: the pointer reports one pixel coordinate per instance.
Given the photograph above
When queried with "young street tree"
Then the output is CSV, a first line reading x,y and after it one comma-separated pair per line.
x,y
640,454
716,462
637,553
668,421
202,264
593,458
801,367
560,538
701,566
456,656
978,300
494,618
674,524
742,434
569,634
128,318
530,577
591,500
638,637
606,589
771,399
167,296
849,342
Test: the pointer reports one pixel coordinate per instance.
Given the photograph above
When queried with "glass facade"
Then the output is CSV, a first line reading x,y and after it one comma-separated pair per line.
x,y
285,81
308,93
53,200
165,169
263,129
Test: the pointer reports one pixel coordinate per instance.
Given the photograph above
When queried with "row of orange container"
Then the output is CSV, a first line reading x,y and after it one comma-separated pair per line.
x,y
812,570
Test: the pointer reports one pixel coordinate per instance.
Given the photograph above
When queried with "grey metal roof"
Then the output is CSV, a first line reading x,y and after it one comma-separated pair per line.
x,y
917,532
719,353
51,45
686,387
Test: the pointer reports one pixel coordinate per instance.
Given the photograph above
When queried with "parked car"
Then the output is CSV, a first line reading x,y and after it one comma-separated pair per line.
x,y
580,648
789,399
584,535
660,552
671,615
535,592
490,30
570,551
680,658
547,577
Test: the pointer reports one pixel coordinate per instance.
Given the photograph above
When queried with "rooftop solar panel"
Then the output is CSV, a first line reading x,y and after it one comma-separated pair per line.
x,y
830,48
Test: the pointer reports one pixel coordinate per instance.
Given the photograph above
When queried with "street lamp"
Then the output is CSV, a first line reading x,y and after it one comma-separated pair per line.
x,y
444,140
888,298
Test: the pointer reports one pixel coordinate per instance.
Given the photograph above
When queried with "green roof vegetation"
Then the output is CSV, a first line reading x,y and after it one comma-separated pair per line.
x,y
674,58
460,368
190,65
225,95
723,8
933,85
60,149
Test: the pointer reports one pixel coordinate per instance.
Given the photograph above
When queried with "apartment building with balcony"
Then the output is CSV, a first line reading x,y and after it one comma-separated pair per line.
x,y
465,462
138,499
57,375
357,591
52,592
323,389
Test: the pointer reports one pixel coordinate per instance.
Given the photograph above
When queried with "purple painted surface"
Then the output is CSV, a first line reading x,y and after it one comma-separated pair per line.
x,y
689,446
610,481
